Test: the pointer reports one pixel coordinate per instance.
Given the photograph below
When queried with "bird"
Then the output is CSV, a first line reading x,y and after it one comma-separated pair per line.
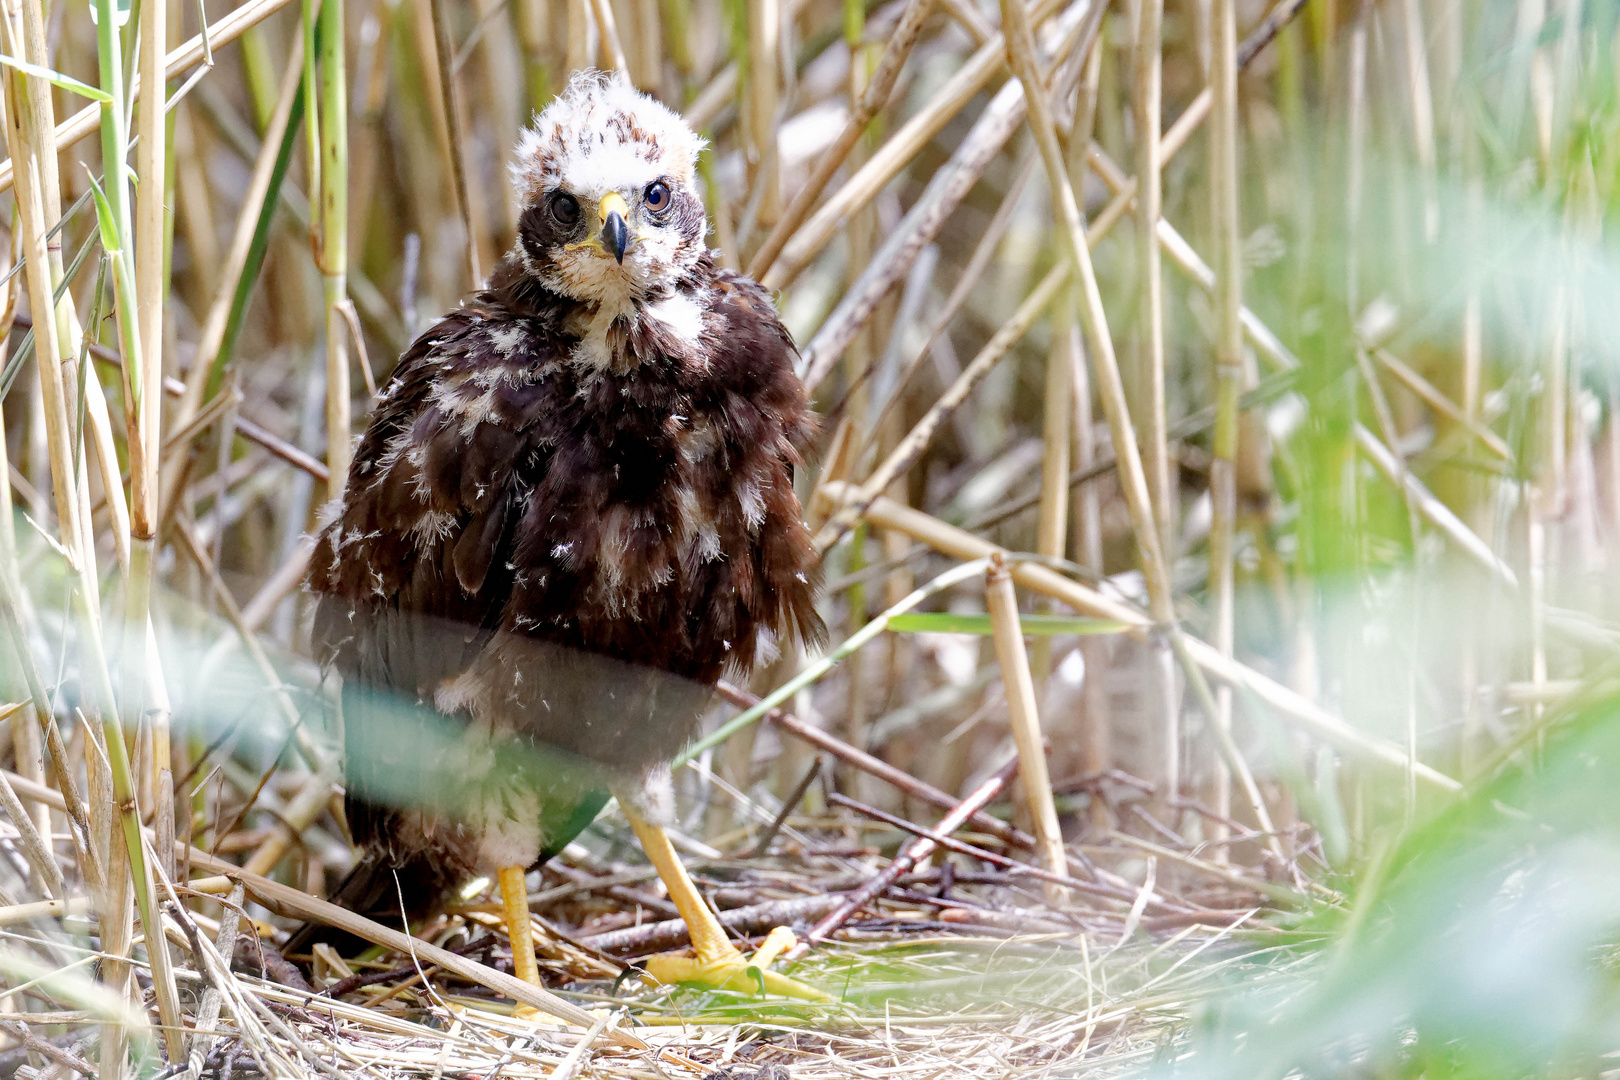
x,y
571,512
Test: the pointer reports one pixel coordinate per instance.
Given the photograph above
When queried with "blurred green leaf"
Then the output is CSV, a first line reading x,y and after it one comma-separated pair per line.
x,y
1483,945
946,622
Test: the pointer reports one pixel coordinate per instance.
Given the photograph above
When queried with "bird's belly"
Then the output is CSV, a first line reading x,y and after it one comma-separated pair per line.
x,y
499,800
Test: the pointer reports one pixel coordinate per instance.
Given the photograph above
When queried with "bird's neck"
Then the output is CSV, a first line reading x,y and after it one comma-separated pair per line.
x,y
603,330
606,327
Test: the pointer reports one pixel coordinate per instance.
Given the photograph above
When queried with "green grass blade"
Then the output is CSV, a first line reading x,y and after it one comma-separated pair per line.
x,y
947,622
56,78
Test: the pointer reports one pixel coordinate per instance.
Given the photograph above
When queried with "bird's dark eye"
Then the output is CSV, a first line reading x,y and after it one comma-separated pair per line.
x,y
565,208
656,197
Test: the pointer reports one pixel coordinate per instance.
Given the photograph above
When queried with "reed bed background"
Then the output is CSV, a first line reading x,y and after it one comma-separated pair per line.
x,y
1222,396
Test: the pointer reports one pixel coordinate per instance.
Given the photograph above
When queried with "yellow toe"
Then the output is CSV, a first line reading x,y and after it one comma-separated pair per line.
x,y
728,969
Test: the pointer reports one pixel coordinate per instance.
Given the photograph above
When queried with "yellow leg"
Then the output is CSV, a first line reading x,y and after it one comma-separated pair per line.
x,y
515,910
717,962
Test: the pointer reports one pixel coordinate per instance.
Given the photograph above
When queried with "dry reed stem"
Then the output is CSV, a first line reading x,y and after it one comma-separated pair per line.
x,y
25,740
36,850
1062,881
605,26
295,904
333,235
1231,759
1133,479
896,151
204,1037
1422,101
873,99
1432,509
984,249
1229,373
873,766
1148,106
1442,404
1052,517
306,808
1282,894
910,448
1271,349
1002,603
760,107
33,135
949,185
226,30
969,18
151,160
1308,716
456,158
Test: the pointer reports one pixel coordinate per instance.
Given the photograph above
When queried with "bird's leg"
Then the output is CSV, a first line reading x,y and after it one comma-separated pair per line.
x,y
515,910
717,962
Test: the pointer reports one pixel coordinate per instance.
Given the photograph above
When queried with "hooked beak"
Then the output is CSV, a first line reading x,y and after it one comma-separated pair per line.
x,y
612,212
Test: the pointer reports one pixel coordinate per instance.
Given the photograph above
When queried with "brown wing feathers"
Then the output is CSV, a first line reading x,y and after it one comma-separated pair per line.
x,y
647,516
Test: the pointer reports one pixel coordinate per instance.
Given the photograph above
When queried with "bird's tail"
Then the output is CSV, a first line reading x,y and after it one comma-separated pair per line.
x,y
380,890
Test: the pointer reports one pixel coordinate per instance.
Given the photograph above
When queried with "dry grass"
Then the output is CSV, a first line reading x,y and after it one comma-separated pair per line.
x,y
1308,397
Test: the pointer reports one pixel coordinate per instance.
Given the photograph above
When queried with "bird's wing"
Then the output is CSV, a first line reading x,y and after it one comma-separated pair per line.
x,y
768,412
413,576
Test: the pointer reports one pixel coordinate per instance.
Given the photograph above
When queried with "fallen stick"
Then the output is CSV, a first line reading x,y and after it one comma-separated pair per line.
x,y
950,843
877,767
907,783
919,850
673,933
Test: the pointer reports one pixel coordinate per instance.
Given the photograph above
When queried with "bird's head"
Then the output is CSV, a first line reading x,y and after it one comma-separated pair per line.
x,y
605,181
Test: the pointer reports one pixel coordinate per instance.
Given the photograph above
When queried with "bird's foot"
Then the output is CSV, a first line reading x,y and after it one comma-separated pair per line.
x,y
722,967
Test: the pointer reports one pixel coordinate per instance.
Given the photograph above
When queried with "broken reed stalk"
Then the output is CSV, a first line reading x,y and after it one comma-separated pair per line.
x,y
1002,603
915,853
1223,146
